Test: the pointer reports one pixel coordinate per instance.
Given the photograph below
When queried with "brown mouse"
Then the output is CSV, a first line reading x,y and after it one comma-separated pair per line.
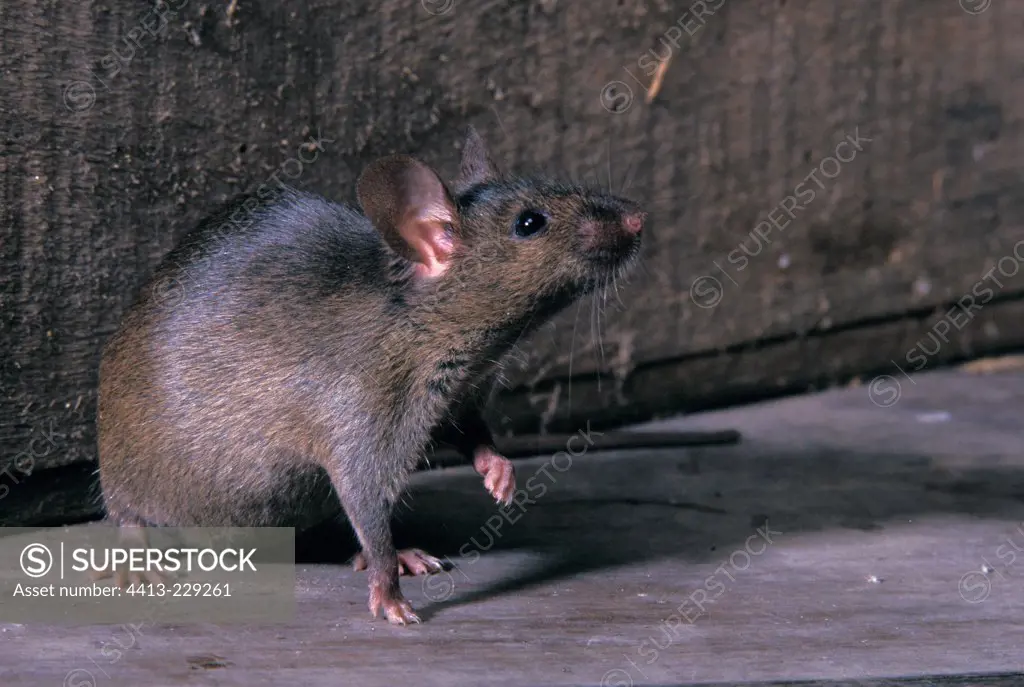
x,y
314,353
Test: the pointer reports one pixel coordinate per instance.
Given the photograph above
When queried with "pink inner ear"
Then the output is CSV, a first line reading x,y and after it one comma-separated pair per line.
x,y
427,233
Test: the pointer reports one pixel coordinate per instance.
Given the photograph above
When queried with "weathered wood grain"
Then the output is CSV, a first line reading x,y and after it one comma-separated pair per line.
x,y
876,514
94,192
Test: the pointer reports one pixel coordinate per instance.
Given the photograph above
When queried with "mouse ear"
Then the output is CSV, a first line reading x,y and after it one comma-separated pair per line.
x,y
477,166
409,205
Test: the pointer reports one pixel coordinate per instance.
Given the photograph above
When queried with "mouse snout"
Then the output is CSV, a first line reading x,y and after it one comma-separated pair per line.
x,y
611,232
633,222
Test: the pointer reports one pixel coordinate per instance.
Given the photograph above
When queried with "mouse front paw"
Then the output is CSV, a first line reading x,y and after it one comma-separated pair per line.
x,y
498,473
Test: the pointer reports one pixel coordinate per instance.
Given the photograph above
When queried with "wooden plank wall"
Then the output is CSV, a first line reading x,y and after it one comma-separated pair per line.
x,y
875,146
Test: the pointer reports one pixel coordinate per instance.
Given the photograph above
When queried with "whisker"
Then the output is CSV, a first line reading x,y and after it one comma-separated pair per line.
x,y
500,125
645,267
604,297
661,199
630,172
595,340
525,328
615,285
608,148
572,346
595,179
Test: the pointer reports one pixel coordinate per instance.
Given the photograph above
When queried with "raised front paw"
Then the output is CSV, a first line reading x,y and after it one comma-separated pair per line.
x,y
498,473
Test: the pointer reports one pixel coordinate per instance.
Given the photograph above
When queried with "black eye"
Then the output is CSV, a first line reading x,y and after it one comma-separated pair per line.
x,y
529,223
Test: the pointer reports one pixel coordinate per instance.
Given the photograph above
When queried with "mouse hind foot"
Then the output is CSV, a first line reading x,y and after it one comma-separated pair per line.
x,y
384,597
129,578
131,532
396,609
410,562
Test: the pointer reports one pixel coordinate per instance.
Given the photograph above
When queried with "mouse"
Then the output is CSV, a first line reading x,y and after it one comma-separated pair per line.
x,y
314,351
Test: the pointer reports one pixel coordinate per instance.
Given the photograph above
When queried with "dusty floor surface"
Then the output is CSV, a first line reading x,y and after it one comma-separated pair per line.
x,y
846,537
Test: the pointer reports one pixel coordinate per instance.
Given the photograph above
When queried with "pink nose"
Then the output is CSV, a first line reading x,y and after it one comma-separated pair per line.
x,y
634,222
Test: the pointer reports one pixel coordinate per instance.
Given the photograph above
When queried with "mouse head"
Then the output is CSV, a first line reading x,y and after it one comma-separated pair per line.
x,y
506,248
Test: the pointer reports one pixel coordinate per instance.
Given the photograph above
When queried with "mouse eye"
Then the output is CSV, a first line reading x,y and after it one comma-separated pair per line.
x,y
529,223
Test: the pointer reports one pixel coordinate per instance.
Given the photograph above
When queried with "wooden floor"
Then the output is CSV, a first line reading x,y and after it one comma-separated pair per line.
x,y
894,552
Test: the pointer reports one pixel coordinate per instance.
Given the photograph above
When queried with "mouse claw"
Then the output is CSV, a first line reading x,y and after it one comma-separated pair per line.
x,y
401,614
499,475
410,562
397,610
417,562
